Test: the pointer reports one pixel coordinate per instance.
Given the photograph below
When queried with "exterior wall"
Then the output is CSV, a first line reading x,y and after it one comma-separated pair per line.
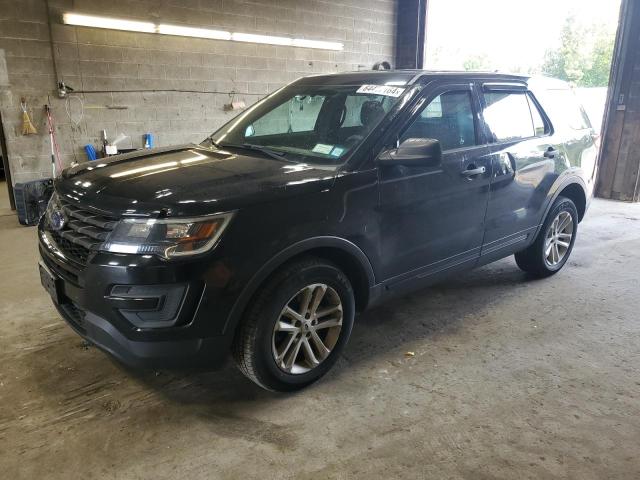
x,y
619,176
162,84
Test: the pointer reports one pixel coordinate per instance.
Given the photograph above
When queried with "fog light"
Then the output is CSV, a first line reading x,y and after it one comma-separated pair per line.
x,y
148,306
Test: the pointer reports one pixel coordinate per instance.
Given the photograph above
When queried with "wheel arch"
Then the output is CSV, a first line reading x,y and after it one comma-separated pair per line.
x,y
345,254
576,193
573,188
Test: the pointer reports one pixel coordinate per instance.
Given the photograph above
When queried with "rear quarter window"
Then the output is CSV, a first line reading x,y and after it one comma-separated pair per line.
x,y
563,108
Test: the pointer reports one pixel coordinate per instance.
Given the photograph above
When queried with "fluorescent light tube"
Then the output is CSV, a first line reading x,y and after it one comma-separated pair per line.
x,y
253,38
106,22
166,29
302,42
193,32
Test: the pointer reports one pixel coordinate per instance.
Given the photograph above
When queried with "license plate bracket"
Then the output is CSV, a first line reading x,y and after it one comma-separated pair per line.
x,y
51,283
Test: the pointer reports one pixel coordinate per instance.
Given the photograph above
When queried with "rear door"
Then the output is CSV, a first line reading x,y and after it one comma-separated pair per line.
x,y
525,161
572,130
432,217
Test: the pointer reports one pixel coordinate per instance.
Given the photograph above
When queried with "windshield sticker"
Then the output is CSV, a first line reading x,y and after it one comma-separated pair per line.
x,y
337,151
386,90
322,148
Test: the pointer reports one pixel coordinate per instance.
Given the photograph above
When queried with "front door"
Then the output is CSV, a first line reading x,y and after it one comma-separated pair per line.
x,y
432,218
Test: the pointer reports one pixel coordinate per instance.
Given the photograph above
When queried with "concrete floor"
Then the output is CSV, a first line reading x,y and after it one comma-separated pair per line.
x,y
5,206
511,378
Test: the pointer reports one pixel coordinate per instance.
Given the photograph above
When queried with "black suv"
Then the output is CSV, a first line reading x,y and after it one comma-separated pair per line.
x,y
322,199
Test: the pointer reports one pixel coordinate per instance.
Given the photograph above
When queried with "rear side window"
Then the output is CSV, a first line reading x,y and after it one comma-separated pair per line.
x,y
447,118
563,108
508,115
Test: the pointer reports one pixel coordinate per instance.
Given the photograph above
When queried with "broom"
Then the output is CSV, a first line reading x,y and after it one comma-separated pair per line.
x,y
27,126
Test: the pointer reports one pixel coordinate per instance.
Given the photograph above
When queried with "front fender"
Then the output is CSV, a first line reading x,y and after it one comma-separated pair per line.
x,y
287,254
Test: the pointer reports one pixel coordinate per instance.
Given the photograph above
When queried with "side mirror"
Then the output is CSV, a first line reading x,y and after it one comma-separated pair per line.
x,y
413,152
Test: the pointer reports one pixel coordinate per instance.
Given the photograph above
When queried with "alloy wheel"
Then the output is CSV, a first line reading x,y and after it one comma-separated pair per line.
x,y
307,329
558,239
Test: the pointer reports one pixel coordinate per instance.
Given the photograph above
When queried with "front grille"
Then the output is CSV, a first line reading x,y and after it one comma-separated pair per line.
x,y
65,273
83,233
74,251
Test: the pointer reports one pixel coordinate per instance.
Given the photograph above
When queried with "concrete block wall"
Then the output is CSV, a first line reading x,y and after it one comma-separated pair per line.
x,y
172,87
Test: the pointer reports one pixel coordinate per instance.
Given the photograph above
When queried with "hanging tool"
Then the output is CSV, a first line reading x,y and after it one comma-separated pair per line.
x,y
27,126
55,150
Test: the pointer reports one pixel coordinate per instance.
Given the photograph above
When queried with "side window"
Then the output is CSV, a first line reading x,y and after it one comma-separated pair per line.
x,y
508,115
563,108
538,123
447,118
433,110
296,115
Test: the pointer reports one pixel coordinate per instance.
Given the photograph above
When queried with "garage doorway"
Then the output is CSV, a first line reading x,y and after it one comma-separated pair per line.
x,y
574,44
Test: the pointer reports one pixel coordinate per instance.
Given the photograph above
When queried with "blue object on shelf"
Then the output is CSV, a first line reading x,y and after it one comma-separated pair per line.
x,y
91,152
148,140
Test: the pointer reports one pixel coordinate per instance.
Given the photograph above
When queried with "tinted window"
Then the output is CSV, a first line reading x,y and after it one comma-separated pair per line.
x,y
538,123
447,118
563,108
508,116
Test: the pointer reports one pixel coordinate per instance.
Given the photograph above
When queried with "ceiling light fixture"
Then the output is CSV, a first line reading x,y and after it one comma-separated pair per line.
x,y
193,32
321,44
107,22
253,38
165,29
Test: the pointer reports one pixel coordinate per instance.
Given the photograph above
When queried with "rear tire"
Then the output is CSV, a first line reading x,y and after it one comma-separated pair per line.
x,y
551,249
296,325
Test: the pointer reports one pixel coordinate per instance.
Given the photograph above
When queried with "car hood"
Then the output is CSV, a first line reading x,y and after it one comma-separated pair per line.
x,y
188,180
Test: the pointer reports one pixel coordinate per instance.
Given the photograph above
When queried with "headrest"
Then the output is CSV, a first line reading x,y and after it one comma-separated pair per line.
x,y
371,112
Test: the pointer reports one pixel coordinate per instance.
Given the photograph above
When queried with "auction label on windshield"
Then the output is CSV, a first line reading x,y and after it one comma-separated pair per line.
x,y
386,90
322,148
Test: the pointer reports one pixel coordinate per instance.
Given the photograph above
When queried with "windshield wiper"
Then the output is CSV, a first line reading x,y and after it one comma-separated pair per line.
x,y
213,144
257,148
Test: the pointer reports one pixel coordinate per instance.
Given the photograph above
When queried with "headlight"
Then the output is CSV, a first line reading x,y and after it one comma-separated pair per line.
x,y
168,238
54,214
51,206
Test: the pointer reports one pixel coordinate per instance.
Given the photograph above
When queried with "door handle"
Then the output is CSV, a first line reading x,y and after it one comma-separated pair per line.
x,y
472,172
550,153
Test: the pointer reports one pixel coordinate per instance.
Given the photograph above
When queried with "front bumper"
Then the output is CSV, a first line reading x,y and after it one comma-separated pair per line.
x,y
195,352
127,306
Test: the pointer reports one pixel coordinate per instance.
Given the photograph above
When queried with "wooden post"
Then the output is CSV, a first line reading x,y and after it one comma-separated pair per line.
x,y
619,173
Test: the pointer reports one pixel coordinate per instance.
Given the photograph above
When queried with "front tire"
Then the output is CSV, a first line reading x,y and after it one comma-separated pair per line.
x,y
551,249
296,325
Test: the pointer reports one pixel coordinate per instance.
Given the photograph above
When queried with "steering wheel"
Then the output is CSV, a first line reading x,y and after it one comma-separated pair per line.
x,y
353,139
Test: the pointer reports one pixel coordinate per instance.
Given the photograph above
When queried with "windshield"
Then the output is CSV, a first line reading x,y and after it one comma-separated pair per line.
x,y
310,123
